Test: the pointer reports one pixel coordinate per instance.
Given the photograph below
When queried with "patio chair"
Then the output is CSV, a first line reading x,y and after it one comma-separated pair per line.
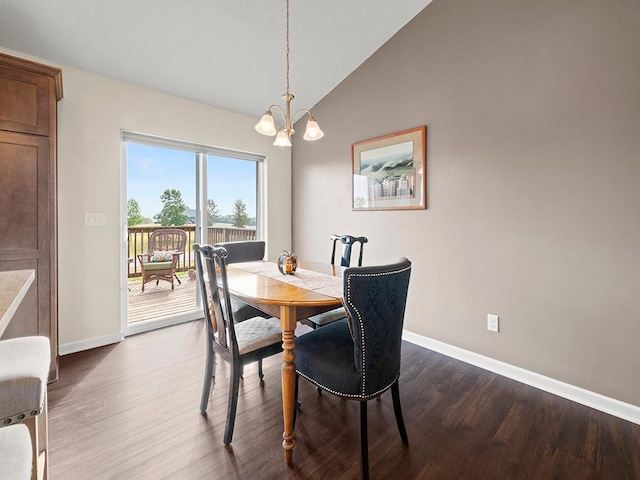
x,y
163,253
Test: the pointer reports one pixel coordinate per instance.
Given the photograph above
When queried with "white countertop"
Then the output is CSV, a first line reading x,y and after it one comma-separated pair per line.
x,y
13,287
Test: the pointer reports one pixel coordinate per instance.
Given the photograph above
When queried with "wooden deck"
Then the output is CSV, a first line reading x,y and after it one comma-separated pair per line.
x,y
159,300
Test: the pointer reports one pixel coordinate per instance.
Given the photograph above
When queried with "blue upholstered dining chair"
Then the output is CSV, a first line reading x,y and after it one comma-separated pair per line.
x,y
358,358
238,343
237,252
347,242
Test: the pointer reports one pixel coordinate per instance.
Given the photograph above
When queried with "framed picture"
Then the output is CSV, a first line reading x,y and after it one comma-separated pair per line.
x,y
390,172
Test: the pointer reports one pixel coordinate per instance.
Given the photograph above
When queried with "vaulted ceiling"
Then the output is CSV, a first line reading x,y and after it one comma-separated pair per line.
x,y
226,53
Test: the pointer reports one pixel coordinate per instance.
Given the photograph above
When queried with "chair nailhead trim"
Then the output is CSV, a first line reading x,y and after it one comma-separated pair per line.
x,y
20,417
348,300
348,395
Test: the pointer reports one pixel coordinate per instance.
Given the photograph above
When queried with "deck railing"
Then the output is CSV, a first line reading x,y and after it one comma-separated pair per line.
x,y
138,239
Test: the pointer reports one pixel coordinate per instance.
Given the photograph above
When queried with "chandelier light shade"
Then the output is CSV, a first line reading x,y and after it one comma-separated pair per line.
x,y
267,126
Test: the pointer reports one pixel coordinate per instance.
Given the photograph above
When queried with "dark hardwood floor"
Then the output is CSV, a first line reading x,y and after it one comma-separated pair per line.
x,y
131,411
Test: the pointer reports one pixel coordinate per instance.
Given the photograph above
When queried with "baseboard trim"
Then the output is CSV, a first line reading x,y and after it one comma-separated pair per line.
x,y
141,327
73,347
161,322
590,399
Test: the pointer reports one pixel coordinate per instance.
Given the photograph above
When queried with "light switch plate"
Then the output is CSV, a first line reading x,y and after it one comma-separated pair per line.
x,y
94,219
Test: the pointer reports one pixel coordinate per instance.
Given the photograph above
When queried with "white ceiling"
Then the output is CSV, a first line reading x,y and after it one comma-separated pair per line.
x,y
226,53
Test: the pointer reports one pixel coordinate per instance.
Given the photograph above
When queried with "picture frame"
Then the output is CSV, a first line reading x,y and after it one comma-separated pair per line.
x,y
390,172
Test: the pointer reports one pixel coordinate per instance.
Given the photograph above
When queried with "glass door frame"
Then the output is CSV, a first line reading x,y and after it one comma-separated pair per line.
x,y
201,154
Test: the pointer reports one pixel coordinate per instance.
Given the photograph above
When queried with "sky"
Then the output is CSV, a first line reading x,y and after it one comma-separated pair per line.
x,y
151,170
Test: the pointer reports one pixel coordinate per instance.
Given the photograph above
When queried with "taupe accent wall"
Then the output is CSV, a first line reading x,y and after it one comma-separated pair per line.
x,y
533,128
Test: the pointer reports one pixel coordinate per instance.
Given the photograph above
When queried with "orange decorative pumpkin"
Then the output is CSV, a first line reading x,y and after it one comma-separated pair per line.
x,y
287,263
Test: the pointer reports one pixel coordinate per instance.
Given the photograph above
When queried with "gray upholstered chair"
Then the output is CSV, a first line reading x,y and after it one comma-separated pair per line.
x,y
24,371
359,359
347,242
237,252
163,254
15,453
238,343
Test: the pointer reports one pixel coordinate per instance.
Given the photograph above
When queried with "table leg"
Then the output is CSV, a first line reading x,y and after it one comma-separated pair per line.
x,y
288,325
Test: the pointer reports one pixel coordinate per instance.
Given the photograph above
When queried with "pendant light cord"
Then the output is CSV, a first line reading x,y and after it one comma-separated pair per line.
x,y
287,48
266,125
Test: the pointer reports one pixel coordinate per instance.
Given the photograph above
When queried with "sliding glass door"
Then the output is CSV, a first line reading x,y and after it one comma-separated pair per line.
x,y
210,194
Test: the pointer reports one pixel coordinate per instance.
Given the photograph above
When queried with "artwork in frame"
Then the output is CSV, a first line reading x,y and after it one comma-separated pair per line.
x,y
390,172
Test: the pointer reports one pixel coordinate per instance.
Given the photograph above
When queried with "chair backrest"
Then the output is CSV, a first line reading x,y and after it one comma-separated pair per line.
x,y
375,299
243,251
347,242
167,240
216,302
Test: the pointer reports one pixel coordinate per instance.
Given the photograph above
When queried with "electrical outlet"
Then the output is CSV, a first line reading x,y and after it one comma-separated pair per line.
x,y
493,324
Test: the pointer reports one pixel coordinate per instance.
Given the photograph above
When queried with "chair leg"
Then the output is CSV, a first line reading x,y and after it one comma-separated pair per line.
x,y
260,374
364,441
208,373
43,431
233,403
177,279
39,443
397,409
296,403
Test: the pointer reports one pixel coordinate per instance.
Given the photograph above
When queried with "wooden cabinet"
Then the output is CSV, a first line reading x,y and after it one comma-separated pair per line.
x,y
29,93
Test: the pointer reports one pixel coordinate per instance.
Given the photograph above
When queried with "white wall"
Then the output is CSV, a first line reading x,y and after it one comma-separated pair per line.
x,y
91,116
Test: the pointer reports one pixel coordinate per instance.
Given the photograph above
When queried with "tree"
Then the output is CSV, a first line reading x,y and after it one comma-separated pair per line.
x,y
212,212
240,217
134,217
174,211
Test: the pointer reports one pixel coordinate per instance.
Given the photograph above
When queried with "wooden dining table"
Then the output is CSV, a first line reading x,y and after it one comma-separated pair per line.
x,y
314,288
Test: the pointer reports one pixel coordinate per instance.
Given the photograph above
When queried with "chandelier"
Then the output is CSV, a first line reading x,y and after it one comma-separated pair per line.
x,y
266,125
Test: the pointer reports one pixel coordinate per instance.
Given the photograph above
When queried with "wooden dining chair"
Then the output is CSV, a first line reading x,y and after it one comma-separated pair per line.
x,y
358,358
347,242
237,343
238,252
